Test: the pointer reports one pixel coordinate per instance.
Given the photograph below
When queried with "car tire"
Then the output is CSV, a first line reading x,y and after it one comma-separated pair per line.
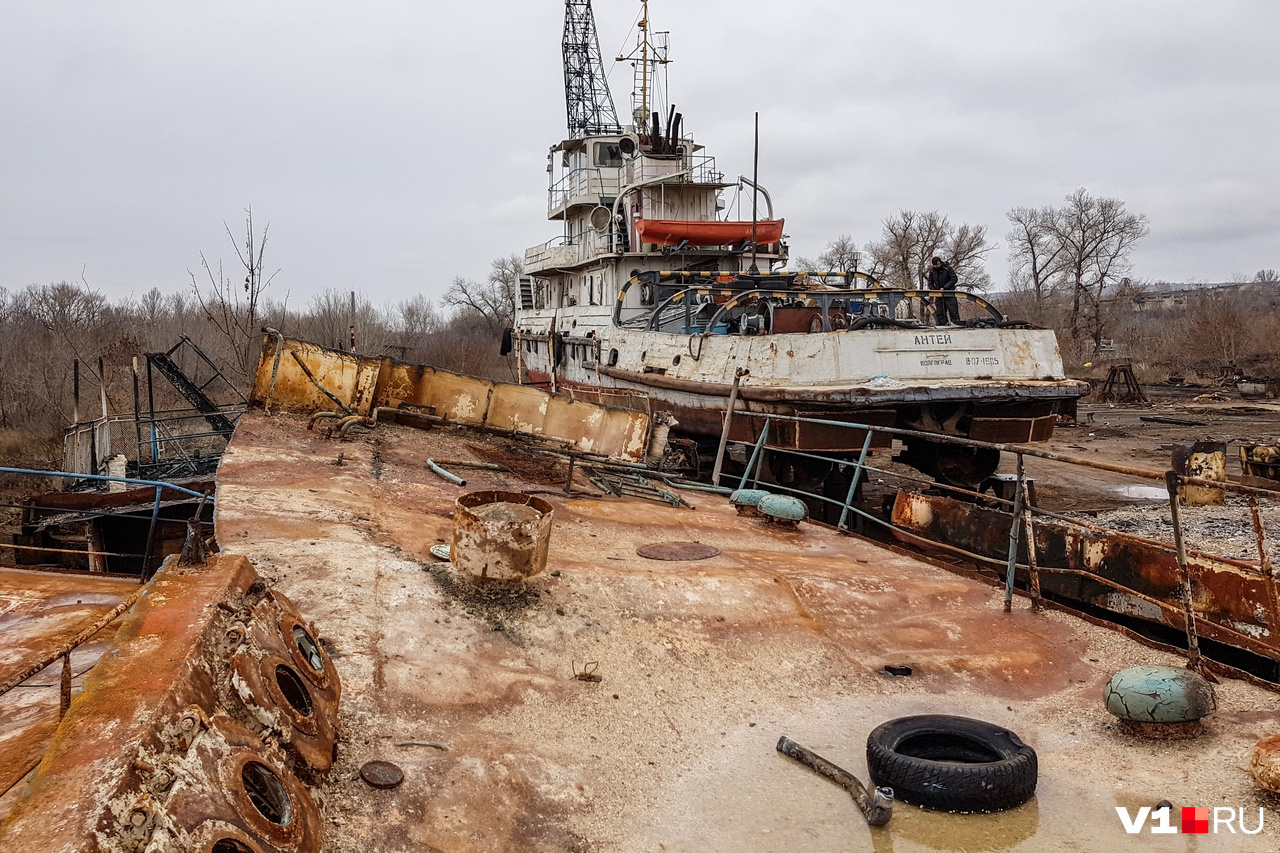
x,y
952,764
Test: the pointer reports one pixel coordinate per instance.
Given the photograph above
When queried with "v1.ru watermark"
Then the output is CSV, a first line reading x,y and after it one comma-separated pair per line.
x,y
1195,819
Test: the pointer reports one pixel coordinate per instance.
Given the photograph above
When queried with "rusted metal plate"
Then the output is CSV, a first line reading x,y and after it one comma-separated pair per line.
x,y
40,611
1235,603
381,774
677,551
819,437
1012,430
363,383
163,704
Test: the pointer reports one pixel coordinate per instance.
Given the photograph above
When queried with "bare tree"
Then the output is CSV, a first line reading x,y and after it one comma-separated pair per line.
x,y
231,308
1267,276
493,299
1035,255
1096,236
911,239
840,255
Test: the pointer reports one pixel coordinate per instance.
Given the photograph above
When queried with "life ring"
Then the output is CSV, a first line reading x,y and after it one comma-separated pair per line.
x,y
952,764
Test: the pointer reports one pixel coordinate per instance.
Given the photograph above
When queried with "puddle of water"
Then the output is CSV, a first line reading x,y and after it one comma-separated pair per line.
x,y
748,799
1145,493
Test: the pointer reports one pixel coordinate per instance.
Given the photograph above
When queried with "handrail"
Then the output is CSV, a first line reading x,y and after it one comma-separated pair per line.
x,y
129,480
1178,608
824,296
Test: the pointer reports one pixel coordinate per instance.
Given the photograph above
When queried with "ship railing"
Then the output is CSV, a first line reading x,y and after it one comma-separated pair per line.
x,y
1189,600
704,170
713,310
160,444
589,182
564,250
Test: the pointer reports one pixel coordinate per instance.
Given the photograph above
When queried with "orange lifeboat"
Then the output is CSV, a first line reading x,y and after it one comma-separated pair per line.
x,y
714,232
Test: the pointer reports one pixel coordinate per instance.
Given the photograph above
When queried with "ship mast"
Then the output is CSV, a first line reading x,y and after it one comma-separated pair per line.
x,y
650,52
586,91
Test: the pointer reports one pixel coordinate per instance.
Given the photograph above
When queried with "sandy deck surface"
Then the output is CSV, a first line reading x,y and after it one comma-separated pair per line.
x,y
704,664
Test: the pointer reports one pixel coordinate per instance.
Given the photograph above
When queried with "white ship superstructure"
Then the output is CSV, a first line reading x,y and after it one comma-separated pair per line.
x,y
649,298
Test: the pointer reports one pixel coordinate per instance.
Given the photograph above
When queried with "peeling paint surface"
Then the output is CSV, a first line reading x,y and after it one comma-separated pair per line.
x,y
363,384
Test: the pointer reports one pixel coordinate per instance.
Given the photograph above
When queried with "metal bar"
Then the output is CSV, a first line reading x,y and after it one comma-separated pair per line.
x,y
151,535
78,640
316,382
698,487
755,453
728,419
32,766
1028,528
568,480
853,484
445,475
66,551
64,699
1193,640
137,410
467,463
1143,473
99,477
1264,558
1015,525
876,806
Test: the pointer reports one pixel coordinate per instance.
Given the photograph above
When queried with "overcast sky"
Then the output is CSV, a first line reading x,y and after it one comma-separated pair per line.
x,y
394,145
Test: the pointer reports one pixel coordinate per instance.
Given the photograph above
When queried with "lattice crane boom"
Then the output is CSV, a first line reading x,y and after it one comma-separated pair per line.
x,y
586,91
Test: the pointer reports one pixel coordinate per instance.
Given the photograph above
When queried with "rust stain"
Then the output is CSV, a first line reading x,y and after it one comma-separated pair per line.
x,y
364,384
1232,598
201,724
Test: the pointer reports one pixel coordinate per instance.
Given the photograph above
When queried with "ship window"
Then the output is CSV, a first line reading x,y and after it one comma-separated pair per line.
x,y
613,358
675,360
608,154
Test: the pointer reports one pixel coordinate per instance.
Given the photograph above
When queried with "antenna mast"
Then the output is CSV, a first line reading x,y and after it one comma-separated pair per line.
x,y
650,52
586,91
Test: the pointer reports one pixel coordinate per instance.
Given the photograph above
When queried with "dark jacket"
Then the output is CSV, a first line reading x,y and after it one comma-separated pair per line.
x,y
942,277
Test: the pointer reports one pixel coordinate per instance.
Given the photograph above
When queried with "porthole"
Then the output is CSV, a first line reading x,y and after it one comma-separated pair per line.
x,y
266,793
293,690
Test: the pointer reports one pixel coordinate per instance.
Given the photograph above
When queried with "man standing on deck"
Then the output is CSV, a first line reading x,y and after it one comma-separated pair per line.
x,y
947,308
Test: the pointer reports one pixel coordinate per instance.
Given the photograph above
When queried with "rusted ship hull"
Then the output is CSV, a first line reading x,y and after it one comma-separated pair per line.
x,y
1128,577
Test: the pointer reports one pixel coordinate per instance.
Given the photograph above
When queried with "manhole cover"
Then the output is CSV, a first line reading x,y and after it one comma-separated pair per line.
x,y
381,774
677,551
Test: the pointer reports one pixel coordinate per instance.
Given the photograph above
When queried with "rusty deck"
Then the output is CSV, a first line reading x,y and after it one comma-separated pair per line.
x,y
703,664
40,613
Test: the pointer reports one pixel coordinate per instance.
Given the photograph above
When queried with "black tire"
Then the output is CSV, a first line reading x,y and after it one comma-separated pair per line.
x,y
952,764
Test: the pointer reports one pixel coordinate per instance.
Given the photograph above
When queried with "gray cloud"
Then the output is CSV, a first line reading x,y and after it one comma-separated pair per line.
x,y
394,145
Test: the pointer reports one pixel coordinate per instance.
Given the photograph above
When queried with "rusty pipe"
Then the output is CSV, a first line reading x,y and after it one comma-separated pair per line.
x,y
79,639
322,415
344,426
445,475
1171,479
728,419
316,382
876,805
